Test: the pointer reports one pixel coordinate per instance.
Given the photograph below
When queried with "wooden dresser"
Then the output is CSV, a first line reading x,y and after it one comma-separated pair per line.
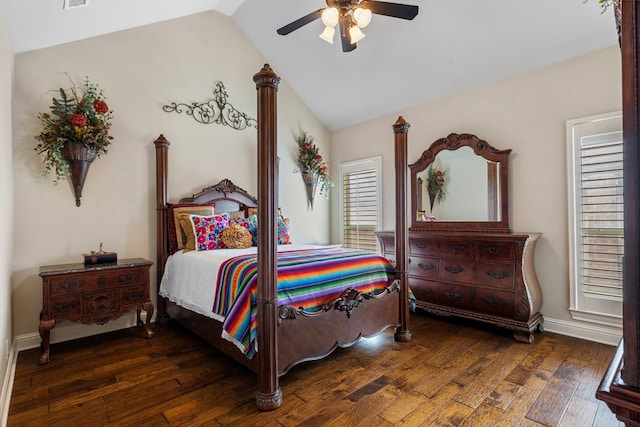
x,y
488,277
93,294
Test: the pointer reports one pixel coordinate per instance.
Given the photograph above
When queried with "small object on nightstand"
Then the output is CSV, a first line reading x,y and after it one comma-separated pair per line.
x,y
100,257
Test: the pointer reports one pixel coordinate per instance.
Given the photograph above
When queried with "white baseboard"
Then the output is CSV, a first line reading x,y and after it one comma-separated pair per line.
x,y
587,331
7,385
67,331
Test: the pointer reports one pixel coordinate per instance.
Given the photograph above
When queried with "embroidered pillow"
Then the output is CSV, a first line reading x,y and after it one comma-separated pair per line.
x,y
284,236
207,231
176,234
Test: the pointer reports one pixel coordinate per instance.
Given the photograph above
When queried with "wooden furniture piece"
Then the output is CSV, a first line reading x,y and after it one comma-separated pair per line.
x,y
480,276
286,335
93,294
476,269
620,386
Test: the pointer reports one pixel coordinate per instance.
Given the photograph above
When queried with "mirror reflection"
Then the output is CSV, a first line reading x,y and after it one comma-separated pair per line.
x,y
458,186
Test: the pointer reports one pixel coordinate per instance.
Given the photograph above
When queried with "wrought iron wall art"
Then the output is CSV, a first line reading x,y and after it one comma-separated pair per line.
x,y
216,110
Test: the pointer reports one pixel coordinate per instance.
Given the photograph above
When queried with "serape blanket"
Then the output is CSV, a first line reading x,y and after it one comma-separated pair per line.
x,y
307,279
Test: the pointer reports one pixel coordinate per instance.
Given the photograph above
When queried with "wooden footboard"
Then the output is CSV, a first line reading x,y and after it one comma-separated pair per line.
x,y
305,336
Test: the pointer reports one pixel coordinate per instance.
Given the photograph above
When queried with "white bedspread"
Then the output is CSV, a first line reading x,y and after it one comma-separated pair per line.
x,y
190,278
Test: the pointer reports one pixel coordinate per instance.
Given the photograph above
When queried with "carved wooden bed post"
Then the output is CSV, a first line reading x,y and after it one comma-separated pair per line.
x,y
162,146
269,395
401,129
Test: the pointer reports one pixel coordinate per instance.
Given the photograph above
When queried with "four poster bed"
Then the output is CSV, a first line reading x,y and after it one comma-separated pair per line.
x,y
361,302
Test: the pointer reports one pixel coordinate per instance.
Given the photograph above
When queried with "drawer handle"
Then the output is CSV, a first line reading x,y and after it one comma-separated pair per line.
x,y
102,281
424,290
65,306
458,248
421,245
426,266
128,277
72,284
494,250
454,270
452,294
495,302
498,274
133,296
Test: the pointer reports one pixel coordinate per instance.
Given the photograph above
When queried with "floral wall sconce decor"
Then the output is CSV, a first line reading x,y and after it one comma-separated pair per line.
x,y
216,110
74,133
435,184
313,168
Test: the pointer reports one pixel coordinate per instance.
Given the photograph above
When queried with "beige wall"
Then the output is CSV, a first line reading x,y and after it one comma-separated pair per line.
x,y
6,208
141,70
527,114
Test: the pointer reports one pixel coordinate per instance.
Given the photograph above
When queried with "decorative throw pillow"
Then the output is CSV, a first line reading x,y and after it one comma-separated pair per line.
x,y
236,237
219,222
253,228
207,231
284,236
176,234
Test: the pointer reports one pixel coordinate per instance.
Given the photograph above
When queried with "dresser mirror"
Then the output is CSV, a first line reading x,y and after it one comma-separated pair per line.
x,y
460,183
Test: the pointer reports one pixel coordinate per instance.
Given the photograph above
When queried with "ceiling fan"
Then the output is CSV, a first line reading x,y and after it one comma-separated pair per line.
x,y
352,15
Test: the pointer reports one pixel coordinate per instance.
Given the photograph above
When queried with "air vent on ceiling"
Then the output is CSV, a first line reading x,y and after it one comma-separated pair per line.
x,y
70,4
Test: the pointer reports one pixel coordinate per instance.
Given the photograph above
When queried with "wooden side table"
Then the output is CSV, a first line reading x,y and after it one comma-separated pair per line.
x,y
93,294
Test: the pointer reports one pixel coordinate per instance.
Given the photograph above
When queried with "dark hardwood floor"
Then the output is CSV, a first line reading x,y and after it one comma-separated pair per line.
x,y
450,374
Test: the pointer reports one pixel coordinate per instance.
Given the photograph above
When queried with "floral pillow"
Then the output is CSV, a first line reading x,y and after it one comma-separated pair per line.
x,y
284,236
251,224
207,229
176,233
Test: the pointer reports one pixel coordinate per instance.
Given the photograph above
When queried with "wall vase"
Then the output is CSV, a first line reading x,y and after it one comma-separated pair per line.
x,y
311,183
432,201
79,158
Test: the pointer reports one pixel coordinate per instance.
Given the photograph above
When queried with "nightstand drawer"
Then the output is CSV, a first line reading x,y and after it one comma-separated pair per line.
x,y
65,306
134,295
87,282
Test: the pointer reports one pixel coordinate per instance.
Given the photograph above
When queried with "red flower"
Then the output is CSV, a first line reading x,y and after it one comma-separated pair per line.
x,y
306,145
439,173
324,170
101,107
319,158
78,120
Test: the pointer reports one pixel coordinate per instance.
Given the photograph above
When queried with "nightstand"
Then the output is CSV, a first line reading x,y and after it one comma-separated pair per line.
x,y
93,294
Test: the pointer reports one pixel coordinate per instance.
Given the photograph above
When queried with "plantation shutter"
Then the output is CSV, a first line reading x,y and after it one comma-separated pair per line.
x,y
601,215
360,208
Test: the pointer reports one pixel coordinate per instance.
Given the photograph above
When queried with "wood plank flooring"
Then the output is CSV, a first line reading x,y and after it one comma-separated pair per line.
x,y
451,374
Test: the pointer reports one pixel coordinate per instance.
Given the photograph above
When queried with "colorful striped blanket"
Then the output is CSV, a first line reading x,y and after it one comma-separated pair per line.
x,y
307,279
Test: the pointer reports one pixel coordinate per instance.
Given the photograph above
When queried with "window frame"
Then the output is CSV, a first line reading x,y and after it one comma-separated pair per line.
x,y
368,163
601,311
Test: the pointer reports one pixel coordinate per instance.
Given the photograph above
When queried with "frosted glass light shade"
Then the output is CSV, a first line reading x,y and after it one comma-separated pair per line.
x,y
327,34
355,34
362,16
330,17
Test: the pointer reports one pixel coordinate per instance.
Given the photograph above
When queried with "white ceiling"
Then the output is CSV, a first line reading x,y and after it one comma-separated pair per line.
x,y
451,46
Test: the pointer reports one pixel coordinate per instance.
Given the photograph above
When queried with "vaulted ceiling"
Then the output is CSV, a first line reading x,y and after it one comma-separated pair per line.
x,y
451,46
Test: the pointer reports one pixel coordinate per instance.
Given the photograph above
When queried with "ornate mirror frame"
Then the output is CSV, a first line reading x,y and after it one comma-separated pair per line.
x,y
483,149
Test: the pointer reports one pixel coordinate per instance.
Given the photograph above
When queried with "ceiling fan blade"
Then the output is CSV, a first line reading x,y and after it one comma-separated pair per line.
x,y
300,22
344,37
395,10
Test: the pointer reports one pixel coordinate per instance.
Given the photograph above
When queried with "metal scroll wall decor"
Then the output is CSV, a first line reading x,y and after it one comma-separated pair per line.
x,y
216,110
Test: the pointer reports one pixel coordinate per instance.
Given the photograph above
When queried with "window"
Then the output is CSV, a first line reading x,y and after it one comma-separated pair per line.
x,y
361,207
596,218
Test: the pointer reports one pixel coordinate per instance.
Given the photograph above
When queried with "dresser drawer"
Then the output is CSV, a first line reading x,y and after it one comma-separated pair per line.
x,y
455,248
423,290
86,282
426,268
65,306
488,301
495,251
134,295
495,275
100,303
423,247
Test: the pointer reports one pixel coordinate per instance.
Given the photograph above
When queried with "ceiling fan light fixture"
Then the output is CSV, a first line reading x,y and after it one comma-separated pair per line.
x,y
362,16
327,34
355,35
330,17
